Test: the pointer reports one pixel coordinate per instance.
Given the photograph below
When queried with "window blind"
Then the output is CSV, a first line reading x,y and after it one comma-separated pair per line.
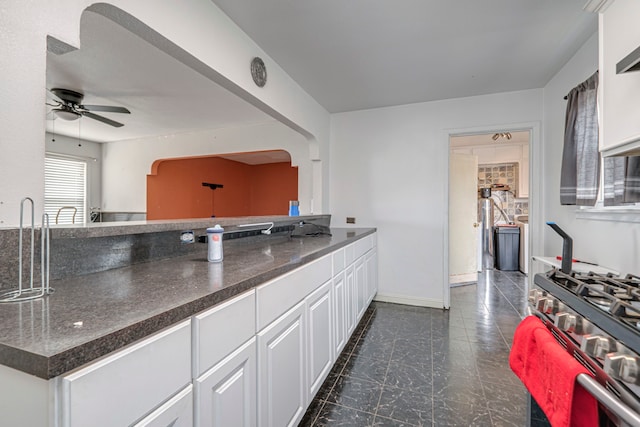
x,y
65,188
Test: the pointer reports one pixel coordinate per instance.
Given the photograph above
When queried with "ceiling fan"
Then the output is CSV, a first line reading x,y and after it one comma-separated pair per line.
x,y
68,107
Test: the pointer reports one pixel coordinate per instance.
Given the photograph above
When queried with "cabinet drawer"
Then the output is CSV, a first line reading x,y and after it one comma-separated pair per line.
x,y
277,296
349,256
123,387
221,329
338,261
362,246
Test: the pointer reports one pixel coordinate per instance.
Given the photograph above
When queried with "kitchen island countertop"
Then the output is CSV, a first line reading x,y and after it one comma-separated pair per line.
x,y
93,315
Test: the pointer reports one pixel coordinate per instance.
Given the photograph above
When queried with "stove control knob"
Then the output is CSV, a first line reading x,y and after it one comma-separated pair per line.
x,y
540,304
534,295
566,322
597,346
622,367
545,305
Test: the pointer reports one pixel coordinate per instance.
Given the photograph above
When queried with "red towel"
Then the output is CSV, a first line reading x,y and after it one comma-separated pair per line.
x,y
549,373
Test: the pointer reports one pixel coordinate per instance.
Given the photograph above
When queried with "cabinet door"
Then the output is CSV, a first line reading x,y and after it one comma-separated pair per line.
x,y
339,314
177,412
361,277
372,275
281,370
319,337
618,93
350,300
226,394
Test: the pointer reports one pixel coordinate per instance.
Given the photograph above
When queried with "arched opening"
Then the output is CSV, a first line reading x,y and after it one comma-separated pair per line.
x,y
226,185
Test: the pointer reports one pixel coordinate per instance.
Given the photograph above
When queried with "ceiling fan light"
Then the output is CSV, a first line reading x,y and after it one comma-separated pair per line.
x,y
67,115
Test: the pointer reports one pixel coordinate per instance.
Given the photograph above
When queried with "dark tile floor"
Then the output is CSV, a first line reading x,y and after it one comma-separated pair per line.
x,y
415,366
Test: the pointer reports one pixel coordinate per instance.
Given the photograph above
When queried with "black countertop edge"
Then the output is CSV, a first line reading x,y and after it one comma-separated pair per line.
x,y
50,366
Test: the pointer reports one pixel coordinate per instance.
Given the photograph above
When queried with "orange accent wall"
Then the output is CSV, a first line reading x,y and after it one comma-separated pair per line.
x,y
176,190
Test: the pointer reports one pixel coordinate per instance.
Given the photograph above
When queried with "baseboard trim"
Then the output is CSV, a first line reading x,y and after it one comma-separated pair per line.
x,y
401,299
463,278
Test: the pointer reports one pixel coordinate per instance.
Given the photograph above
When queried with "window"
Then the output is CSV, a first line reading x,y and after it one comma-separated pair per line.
x,y
65,189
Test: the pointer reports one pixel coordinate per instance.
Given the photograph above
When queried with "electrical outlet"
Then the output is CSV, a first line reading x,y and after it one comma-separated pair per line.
x,y
187,237
351,220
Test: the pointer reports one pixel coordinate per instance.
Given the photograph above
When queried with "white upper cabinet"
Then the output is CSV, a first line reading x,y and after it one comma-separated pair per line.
x,y
619,93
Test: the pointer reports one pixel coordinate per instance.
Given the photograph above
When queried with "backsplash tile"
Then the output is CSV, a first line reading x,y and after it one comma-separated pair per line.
x,y
503,173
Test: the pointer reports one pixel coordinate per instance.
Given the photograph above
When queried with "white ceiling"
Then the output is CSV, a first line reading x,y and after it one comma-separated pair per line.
x,y
348,55
165,97
359,54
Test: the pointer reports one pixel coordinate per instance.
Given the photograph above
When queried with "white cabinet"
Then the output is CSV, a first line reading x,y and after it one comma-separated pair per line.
x,y
282,387
501,154
350,299
371,265
361,287
226,394
619,34
339,312
319,337
278,295
125,386
177,412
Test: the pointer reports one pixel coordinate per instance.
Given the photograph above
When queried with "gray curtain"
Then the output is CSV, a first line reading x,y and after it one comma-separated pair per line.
x,y
621,180
580,173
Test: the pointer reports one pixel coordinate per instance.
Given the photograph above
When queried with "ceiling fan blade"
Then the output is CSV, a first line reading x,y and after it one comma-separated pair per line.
x,y
101,119
105,108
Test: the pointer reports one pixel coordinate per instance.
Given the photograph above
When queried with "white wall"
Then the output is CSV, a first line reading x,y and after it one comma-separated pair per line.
x,y
89,151
611,244
389,169
127,163
195,29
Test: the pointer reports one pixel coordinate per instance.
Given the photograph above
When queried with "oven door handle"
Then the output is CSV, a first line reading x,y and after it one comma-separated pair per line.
x,y
618,408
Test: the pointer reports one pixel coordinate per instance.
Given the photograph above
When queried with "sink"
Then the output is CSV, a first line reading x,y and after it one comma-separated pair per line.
x,y
522,218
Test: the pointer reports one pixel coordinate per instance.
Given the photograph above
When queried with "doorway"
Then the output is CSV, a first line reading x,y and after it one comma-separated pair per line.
x,y
497,161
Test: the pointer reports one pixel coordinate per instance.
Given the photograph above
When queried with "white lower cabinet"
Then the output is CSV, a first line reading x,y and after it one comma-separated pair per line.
x,y
257,359
361,287
129,384
350,299
339,313
281,370
371,265
319,337
177,412
226,394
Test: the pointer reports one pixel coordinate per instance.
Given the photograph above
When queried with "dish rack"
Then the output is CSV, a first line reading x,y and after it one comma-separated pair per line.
x,y
25,293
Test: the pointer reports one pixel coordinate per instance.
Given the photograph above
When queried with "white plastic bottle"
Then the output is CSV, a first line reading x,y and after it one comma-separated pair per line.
x,y
214,237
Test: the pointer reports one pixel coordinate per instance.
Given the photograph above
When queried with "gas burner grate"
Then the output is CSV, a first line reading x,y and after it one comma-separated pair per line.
x,y
596,297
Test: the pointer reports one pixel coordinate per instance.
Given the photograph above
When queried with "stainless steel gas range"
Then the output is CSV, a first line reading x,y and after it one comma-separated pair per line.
x,y
597,319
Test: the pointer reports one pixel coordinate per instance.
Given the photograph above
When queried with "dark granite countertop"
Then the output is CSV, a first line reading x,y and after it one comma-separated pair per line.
x,y
92,315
